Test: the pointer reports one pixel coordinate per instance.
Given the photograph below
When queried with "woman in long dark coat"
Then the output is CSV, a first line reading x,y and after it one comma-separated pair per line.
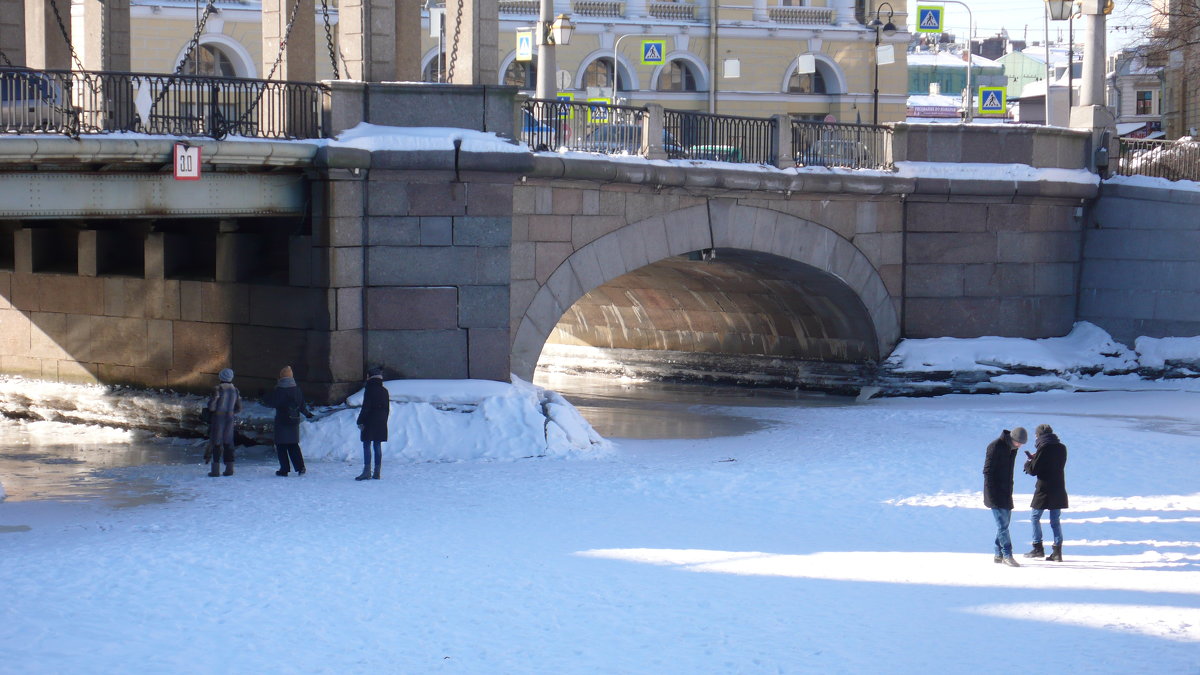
x,y
288,402
372,422
1049,465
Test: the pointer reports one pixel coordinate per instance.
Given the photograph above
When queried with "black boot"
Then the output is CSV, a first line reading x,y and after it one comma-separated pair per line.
x,y
1037,552
1011,561
998,559
1055,554
365,475
375,475
228,470
216,468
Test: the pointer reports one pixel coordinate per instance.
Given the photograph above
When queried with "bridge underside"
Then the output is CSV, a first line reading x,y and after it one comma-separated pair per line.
x,y
741,316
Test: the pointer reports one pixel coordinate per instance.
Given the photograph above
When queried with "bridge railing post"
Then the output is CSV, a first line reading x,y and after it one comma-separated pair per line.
x,y
782,153
652,132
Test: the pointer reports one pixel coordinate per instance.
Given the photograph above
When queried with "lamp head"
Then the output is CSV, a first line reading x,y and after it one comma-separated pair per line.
x,y
560,30
1060,10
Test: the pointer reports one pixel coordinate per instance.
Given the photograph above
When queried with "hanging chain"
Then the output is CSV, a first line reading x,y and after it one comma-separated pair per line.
x,y
329,39
458,19
6,61
62,28
187,54
287,33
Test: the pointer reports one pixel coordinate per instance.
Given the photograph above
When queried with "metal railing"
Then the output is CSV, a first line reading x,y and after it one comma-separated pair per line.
x,y
589,127
83,102
851,146
1173,160
724,138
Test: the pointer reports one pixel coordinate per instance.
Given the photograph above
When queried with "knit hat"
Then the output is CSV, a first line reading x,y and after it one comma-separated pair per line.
x,y
1043,429
374,371
226,375
286,371
1019,435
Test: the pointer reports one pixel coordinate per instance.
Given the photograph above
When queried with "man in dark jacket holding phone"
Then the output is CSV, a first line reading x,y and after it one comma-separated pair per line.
x,y
998,487
1049,465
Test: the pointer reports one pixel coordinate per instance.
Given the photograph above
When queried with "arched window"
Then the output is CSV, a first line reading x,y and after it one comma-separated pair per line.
x,y
678,75
599,73
433,70
807,83
211,61
521,74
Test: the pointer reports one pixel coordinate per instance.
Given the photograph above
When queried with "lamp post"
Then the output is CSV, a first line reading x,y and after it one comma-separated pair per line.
x,y
550,32
1056,10
968,107
618,44
888,29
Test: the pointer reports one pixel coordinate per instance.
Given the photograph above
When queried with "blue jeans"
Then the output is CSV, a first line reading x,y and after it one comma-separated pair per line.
x,y
1055,526
1003,541
367,454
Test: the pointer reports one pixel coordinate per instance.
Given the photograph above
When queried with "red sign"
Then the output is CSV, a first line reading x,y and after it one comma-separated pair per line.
x,y
186,162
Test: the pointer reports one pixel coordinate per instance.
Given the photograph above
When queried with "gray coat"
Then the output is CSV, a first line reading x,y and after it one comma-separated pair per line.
x,y
224,404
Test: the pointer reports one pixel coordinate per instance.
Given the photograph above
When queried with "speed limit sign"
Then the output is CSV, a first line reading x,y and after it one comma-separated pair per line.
x,y
187,162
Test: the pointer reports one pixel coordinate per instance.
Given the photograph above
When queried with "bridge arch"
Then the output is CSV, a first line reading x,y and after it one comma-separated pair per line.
x,y
850,302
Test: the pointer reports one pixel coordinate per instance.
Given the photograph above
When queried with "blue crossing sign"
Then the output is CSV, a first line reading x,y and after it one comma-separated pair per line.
x,y
929,18
653,52
992,101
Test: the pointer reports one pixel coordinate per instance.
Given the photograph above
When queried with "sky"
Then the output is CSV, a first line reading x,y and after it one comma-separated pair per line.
x,y
1024,20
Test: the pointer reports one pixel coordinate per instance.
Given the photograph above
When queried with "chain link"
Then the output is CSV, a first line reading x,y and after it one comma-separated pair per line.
x,y
187,54
6,61
329,39
62,28
458,19
287,33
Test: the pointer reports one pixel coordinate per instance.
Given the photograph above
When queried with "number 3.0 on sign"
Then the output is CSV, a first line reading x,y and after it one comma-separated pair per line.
x,y
187,162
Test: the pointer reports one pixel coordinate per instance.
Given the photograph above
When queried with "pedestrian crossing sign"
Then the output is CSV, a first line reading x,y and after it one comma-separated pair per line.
x,y
992,101
929,18
524,44
598,114
565,112
653,52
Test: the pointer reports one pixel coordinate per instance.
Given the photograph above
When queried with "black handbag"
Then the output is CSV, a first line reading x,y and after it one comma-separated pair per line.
x,y
205,415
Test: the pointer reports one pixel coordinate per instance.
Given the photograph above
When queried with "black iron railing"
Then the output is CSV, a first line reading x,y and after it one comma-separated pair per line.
x,y
851,146
79,102
725,138
1173,160
590,127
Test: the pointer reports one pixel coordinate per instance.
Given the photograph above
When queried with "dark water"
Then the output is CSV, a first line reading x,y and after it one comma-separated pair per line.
x,y
656,410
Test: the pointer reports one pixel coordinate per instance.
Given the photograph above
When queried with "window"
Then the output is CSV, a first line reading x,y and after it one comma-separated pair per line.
x,y
806,83
677,76
521,74
599,73
1145,103
433,70
210,61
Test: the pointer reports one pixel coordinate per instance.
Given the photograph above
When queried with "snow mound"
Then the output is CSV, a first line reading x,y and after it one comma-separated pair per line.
x,y
1086,349
1164,353
460,420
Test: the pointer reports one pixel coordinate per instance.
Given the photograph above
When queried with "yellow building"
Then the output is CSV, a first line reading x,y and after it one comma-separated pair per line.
x,y
750,69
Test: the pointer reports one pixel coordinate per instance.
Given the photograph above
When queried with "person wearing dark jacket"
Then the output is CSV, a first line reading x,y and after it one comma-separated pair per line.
x,y
998,488
288,402
372,422
223,406
1050,493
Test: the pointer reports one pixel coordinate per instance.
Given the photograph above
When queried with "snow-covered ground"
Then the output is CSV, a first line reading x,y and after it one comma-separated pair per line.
x,y
846,539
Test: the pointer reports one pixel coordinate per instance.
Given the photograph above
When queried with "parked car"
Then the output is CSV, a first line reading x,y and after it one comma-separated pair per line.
x,y
836,152
616,139
717,153
29,101
537,134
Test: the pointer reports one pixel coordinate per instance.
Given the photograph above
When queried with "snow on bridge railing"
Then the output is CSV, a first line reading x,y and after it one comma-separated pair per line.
x,y
1173,160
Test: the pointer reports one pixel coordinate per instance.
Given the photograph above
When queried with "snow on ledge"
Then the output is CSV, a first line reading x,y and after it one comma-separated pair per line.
x,y
984,171
375,138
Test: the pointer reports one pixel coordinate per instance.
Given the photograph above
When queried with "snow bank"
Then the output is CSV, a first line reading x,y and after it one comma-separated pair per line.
x,y
995,364
1088,348
458,420
1162,353
374,137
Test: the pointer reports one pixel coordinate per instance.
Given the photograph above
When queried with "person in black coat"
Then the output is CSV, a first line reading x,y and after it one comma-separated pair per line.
x,y
372,422
288,402
998,488
1050,493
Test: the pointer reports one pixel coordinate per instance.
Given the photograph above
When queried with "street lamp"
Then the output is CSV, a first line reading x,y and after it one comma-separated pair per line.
x,y
616,45
888,29
551,31
1058,10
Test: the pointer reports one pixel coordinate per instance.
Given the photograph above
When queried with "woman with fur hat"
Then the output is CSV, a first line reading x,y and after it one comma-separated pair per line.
x,y
1050,494
223,406
372,421
288,402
